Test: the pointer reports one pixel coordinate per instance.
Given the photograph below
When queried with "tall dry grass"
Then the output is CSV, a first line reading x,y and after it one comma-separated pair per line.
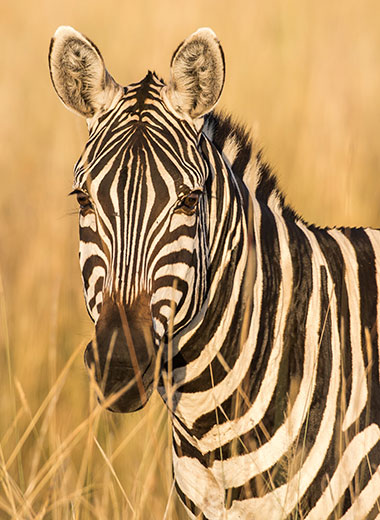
x,y
305,76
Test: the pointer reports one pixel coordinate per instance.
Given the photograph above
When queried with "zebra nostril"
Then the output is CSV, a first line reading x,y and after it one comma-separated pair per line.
x,y
89,358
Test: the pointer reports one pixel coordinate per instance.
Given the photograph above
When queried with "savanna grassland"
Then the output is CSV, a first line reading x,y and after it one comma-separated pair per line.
x,y
305,76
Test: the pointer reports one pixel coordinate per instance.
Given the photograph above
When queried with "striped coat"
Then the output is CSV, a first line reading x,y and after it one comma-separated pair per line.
x,y
259,331
299,432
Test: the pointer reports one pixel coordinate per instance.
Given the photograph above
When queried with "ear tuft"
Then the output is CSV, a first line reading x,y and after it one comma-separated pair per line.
x,y
197,75
78,73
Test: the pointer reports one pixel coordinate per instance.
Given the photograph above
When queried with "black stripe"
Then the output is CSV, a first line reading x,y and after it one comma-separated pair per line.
x,y
368,315
361,478
336,266
189,504
88,267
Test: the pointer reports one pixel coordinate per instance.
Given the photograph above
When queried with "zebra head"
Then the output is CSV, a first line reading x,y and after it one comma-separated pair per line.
x,y
142,186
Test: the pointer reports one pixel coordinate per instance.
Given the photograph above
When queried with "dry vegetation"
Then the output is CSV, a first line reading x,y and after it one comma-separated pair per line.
x,y
304,75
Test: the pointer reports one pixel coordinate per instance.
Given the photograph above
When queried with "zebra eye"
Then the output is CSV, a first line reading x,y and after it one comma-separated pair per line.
x,y
83,199
189,203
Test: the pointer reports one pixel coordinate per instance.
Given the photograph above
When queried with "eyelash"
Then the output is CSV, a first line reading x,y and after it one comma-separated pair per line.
x,y
83,199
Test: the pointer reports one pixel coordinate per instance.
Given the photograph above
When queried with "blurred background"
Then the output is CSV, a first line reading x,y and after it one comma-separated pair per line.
x,y
304,76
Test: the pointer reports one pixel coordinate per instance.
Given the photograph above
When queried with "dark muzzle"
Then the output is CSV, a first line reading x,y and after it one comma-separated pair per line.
x,y
122,355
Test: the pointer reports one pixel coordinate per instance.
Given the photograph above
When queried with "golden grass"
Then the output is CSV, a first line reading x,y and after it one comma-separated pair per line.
x,y
305,76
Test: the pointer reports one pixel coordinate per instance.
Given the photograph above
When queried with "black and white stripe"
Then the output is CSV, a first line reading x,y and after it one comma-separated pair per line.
x,y
266,328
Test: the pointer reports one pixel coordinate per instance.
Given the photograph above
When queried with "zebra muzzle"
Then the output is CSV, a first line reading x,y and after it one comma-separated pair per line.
x,y
121,358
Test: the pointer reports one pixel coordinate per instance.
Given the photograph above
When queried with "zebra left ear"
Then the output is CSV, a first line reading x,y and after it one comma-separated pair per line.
x,y
196,75
79,75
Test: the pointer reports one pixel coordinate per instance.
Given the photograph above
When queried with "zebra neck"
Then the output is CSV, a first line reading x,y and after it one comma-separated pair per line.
x,y
208,348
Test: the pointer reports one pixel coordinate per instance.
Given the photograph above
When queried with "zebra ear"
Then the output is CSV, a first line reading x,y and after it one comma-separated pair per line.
x,y
78,73
196,75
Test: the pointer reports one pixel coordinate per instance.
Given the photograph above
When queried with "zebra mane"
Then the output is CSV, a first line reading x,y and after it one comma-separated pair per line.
x,y
244,157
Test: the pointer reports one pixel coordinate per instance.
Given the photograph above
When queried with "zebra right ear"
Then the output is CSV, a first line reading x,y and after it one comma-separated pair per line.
x,y
196,75
78,73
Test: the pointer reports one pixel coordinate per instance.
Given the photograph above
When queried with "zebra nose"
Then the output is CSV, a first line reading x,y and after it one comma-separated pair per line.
x,y
122,358
118,382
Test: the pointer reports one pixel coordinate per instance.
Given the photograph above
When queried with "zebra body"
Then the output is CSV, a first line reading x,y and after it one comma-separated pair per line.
x,y
260,331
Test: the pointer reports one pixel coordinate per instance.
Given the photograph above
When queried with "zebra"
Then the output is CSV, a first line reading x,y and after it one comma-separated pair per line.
x,y
259,330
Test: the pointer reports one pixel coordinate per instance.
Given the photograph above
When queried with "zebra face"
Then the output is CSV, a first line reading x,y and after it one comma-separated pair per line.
x,y
143,251
142,189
